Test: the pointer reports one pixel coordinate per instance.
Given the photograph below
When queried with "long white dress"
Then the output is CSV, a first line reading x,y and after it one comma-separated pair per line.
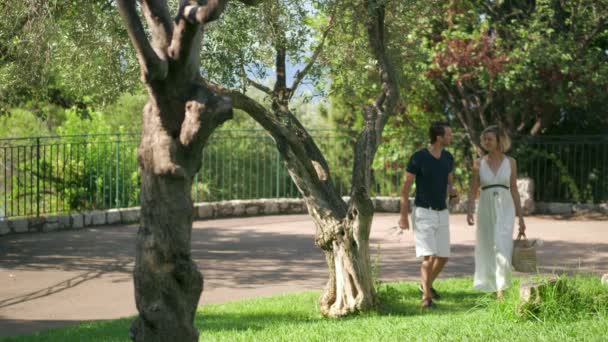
x,y
494,234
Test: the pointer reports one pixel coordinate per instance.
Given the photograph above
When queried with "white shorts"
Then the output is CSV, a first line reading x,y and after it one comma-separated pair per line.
x,y
431,232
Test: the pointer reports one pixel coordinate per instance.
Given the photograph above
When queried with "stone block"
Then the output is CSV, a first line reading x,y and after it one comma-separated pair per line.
x,y
87,218
113,216
63,221
238,208
205,210
283,205
271,207
77,221
20,225
585,208
554,208
391,204
130,215
50,226
4,227
291,206
223,209
49,219
298,207
36,224
95,218
252,209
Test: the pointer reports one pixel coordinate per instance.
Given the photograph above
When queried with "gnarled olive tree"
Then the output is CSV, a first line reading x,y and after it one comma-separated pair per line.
x,y
342,229
180,115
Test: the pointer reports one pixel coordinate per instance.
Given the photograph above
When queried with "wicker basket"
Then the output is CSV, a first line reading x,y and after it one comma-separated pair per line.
x,y
524,254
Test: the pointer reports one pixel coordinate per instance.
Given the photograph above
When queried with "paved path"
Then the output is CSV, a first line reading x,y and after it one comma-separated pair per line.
x,y
61,278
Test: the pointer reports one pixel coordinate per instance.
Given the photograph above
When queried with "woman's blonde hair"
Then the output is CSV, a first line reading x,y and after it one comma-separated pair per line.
x,y
503,140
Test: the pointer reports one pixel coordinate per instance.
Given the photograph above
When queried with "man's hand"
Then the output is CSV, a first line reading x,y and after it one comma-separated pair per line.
x,y
404,223
470,219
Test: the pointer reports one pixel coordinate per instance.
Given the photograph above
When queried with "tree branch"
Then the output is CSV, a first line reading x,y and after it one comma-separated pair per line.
x,y
602,22
152,67
161,26
251,2
313,59
280,64
306,164
243,102
255,84
466,107
375,115
208,11
259,86
387,100
204,113
187,35
461,113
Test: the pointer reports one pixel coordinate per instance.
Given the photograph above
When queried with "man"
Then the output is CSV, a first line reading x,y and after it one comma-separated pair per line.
x,y
432,170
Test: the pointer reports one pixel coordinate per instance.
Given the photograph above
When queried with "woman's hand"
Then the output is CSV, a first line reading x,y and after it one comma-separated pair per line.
x,y
522,225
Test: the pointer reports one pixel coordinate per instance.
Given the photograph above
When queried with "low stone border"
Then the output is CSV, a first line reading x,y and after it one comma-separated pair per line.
x,y
209,210
256,207
569,208
69,221
236,208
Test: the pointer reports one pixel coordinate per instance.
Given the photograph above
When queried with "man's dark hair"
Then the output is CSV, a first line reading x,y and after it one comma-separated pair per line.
x,y
437,129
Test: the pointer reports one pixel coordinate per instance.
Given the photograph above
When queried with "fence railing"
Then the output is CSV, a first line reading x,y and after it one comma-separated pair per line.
x,y
48,175
565,168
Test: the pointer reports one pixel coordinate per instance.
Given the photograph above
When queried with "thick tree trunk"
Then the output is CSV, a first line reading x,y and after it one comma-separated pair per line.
x,y
181,114
167,282
349,288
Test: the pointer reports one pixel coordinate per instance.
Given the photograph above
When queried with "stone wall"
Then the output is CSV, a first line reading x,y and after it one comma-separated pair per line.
x,y
258,207
131,215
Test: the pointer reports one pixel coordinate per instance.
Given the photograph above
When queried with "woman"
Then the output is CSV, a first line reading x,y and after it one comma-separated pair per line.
x,y
499,202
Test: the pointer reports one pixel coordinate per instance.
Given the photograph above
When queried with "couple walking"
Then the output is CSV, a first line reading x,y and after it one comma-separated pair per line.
x,y
431,169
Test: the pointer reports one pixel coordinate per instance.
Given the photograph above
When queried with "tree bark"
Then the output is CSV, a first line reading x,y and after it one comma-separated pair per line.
x,y
167,282
180,115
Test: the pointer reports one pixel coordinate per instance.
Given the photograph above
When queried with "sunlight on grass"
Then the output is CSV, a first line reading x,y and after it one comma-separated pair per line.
x,y
580,313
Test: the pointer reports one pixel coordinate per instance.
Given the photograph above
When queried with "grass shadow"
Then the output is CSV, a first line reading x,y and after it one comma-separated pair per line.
x,y
404,299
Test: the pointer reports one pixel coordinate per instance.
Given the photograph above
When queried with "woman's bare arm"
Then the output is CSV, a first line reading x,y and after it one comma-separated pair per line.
x,y
473,188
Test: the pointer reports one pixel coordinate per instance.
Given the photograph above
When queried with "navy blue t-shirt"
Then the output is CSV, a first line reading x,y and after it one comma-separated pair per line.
x,y
431,178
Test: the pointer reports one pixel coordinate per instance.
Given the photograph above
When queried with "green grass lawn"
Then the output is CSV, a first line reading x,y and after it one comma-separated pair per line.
x,y
463,314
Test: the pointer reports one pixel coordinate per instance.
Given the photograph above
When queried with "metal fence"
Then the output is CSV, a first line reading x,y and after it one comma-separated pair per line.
x,y
43,175
565,168
48,175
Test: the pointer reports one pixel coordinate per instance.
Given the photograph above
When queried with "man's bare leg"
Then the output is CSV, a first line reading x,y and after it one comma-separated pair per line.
x,y
426,273
438,264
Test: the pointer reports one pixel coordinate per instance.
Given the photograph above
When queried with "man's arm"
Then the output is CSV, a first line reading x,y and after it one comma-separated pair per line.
x,y
408,180
452,192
